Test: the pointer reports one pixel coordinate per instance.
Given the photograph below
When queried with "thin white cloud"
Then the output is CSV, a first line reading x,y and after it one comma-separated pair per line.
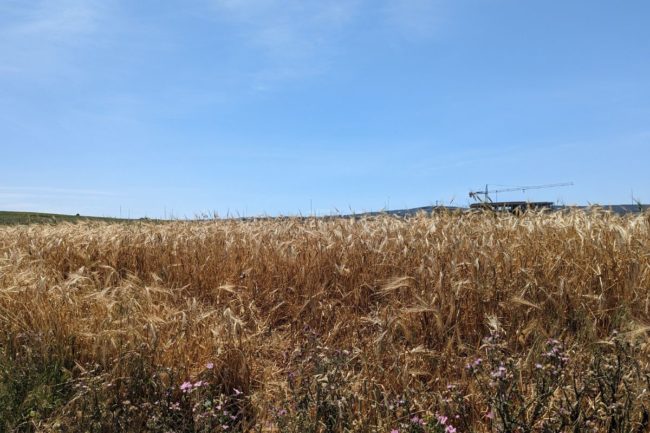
x,y
15,192
293,37
297,38
288,25
417,19
55,21
35,37
55,200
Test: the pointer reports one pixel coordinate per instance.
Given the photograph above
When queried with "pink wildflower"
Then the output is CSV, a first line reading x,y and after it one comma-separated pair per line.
x,y
441,419
450,429
394,431
186,386
209,365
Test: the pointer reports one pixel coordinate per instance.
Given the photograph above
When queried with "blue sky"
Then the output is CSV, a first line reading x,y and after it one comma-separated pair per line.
x,y
280,107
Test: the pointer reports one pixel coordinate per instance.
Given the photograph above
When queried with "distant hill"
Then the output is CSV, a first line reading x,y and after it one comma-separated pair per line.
x,y
620,209
10,217
626,208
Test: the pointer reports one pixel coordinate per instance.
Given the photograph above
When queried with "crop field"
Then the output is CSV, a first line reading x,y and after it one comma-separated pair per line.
x,y
450,322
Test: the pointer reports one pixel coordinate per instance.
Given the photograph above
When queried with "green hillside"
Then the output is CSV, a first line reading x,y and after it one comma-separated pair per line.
x,y
9,217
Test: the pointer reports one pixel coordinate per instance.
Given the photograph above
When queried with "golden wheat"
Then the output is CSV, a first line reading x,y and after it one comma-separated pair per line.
x,y
409,298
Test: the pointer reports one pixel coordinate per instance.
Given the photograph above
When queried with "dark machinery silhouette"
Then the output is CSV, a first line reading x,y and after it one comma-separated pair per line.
x,y
484,201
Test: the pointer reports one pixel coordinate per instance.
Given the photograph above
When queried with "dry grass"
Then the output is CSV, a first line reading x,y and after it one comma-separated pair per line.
x,y
407,299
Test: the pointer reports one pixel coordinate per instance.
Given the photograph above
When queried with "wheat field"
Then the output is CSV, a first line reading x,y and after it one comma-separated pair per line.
x,y
328,325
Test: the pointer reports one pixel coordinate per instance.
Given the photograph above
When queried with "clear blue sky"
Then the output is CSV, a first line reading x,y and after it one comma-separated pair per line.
x,y
279,107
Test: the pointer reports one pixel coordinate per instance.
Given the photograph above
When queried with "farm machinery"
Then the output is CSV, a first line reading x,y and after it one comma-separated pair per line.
x,y
483,200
